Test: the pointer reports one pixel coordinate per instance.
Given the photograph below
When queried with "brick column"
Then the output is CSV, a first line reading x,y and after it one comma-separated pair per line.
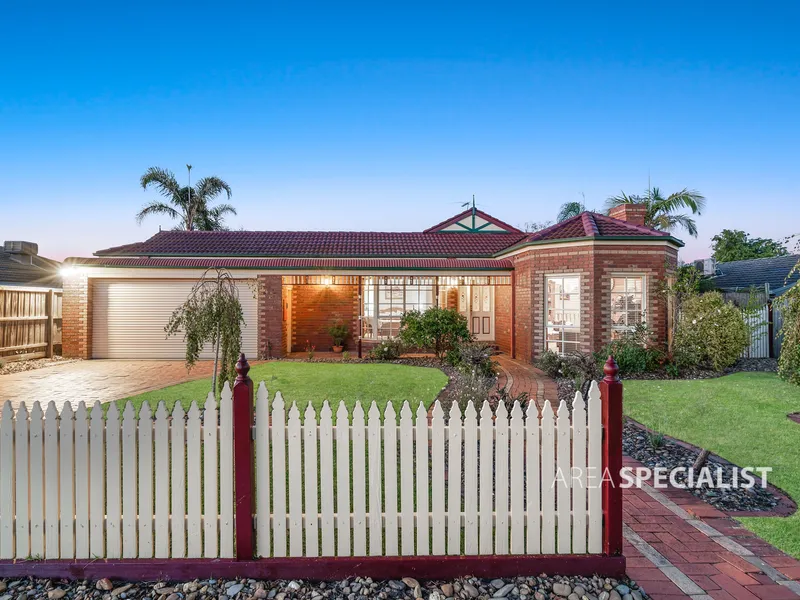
x,y
77,316
270,316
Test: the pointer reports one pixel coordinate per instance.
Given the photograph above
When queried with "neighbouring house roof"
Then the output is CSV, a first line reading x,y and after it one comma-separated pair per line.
x,y
28,270
432,264
470,234
743,274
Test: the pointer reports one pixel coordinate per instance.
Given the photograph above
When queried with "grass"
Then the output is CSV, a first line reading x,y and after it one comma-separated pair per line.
x,y
741,417
316,382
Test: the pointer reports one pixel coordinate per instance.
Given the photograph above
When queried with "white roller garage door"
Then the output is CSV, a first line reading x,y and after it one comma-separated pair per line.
x,y
129,316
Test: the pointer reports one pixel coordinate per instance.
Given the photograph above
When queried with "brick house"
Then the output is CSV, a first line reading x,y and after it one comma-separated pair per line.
x,y
573,286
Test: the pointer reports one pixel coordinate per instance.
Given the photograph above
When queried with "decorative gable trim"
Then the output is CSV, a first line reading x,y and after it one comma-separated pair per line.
x,y
473,220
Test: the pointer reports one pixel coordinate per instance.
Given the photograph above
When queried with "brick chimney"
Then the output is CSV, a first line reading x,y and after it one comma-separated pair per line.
x,y
632,213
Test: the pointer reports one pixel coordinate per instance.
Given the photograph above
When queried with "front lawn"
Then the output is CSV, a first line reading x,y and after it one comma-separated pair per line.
x,y
304,382
740,417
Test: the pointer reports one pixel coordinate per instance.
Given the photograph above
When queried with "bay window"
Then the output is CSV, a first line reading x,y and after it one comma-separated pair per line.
x,y
563,313
627,304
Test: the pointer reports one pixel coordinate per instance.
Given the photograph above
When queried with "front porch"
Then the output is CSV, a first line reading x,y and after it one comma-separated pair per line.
x,y
371,306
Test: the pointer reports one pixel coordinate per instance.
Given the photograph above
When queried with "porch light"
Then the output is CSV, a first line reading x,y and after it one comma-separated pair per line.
x,y
326,281
70,270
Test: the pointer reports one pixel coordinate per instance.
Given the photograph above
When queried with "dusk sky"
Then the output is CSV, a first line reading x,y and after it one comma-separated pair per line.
x,y
340,116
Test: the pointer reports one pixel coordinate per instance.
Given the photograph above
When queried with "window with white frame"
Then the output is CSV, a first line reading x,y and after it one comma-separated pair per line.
x,y
628,304
563,313
384,300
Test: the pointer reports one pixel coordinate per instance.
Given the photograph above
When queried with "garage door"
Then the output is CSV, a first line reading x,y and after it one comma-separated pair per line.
x,y
130,315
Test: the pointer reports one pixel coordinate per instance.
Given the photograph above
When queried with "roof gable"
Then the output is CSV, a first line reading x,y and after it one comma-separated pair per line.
x,y
472,220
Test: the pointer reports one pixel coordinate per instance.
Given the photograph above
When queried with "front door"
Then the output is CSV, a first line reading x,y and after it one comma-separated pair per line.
x,y
476,302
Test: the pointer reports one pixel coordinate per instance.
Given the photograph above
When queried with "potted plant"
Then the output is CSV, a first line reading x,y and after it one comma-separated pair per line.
x,y
338,331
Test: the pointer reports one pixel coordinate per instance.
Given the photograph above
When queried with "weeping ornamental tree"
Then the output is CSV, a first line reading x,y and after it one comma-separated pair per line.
x,y
213,315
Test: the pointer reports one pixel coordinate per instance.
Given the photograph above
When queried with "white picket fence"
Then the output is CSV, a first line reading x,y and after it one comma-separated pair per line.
x,y
77,486
424,487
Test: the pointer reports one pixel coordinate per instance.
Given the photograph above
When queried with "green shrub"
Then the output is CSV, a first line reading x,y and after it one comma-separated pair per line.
x,y
473,356
635,352
550,362
710,332
338,331
789,362
437,329
387,350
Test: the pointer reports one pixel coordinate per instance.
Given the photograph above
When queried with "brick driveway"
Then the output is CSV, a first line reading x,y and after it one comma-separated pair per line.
x,y
91,380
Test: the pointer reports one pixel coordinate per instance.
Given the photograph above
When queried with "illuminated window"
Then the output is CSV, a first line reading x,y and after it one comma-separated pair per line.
x,y
385,300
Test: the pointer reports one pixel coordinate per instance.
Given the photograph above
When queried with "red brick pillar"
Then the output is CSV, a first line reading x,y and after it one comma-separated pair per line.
x,y
77,316
270,316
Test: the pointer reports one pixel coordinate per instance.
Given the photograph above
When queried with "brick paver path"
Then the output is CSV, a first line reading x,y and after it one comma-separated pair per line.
x,y
678,547
92,380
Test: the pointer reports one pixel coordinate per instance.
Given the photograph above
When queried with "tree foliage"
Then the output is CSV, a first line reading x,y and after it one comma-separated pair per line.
x,y
789,362
734,244
710,332
437,329
661,210
212,314
190,206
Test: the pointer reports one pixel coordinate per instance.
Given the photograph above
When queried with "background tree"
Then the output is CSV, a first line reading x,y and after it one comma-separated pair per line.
x,y
734,244
569,210
534,226
191,206
661,210
211,314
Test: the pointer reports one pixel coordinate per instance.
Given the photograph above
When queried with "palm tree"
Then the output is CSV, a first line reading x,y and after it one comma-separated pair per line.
x,y
569,210
661,211
187,204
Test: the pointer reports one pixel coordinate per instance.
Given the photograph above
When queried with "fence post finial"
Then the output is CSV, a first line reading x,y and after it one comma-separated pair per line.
x,y
611,370
242,368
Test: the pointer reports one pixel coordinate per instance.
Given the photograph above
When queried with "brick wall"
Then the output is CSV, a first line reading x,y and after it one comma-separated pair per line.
x,y
271,333
594,265
317,307
76,312
502,317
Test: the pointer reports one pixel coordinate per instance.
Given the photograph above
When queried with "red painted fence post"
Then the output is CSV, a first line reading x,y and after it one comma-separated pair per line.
x,y
611,394
243,459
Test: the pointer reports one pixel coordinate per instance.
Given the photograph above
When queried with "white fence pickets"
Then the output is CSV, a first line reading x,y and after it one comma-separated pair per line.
x,y
7,549
422,465
579,480
51,481
594,472
83,485
113,483
142,486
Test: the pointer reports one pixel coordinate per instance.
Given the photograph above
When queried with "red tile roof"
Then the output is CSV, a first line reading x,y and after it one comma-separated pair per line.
x,y
370,244
433,264
318,243
589,224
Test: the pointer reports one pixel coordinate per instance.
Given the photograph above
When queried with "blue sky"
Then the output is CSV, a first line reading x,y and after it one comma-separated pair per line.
x,y
387,117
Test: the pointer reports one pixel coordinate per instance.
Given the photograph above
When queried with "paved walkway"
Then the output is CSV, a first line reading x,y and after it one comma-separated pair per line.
x,y
677,546
92,380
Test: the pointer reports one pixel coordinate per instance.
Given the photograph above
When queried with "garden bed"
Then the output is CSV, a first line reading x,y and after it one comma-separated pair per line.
x,y
467,588
653,449
8,367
